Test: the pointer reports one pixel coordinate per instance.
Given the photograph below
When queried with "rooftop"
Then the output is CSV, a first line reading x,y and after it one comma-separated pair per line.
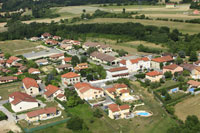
x,y
30,82
49,110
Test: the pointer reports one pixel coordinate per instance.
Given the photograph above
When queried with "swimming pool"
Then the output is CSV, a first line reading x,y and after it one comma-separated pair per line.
x,y
142,113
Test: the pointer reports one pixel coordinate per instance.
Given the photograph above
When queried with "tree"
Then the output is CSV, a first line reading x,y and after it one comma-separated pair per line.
x,y
181,54
77,124
147,82
168,75
75,60
31,63
161,65
91,50
7,55
84,11
97,113
83,59
193,56
124,10
179,60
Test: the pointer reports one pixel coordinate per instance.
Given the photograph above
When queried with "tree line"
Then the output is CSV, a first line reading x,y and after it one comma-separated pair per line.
x,y
174,40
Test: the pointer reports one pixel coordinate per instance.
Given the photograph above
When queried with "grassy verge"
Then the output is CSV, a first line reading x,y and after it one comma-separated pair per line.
x,y
8,107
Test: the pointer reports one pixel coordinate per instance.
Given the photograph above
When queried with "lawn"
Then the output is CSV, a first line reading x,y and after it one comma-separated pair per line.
x,y
189,106
47,69
8,107
7,89
17,47
183,27
158,123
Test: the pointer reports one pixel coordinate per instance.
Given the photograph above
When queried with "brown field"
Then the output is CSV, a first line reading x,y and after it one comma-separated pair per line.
x,y
189,106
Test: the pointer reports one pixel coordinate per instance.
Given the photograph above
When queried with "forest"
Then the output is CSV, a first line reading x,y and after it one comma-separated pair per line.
x,y
12,5
173,39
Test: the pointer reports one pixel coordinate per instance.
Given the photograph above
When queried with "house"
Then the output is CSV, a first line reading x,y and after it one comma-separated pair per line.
x,y
197,63
66,46
70,78
66,60
81,66
188,67
104,58
170,5
46,36
56,38
42,114
88,92
12,61
117,72
7,79
75,42
121,91
134,65
154,76
57,56
52,91
34,39
33,71
51,42
193,84
119,112
101,47
42,62
22,68
155,63
195,73
21,101
63,67
31,87
173,68
66,42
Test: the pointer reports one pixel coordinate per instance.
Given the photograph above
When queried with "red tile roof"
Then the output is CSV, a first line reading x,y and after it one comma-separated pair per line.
x,y
124,107
8,78
46,34
57,55
70,75
124,91
13,58
139,59
68,59
194,83
9,61
197,68
50,90
111,90
83,87
120,86
29,82
31,70
113,107
171,67
153,73
117,69
49,110
123,62
60,95
20,96
163,59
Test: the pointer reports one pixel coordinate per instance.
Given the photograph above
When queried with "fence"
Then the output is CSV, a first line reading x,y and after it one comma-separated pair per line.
x,y
26,130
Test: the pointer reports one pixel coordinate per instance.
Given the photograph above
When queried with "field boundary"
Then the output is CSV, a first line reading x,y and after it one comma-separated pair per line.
x,y
31,130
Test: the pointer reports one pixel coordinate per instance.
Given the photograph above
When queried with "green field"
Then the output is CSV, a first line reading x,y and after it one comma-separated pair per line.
x,y
158,123
7,89
189,106
17,47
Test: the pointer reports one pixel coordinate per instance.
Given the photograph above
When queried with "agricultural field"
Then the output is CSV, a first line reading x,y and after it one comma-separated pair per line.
x,y
189,106
17,47
6,89
183,27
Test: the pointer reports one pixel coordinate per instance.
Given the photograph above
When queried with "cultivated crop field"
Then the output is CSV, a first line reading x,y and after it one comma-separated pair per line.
x,y
17,47
189,106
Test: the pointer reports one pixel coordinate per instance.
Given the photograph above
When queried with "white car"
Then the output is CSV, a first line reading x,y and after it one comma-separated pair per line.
x,y
0,97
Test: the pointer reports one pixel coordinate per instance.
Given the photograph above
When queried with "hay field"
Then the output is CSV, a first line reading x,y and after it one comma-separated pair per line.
x,y
189,106
17,47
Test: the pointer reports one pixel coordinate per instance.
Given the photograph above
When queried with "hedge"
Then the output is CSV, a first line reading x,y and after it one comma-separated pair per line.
x,y
3,116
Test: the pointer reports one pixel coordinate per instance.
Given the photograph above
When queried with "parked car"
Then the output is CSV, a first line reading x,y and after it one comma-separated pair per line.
x,y
0,98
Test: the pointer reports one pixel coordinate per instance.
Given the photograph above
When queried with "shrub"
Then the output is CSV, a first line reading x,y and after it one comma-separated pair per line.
x,y
3,116
97,113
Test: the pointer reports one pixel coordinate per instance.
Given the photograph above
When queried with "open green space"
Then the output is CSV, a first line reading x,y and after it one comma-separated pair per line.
x,y
17,47
189,106
6,89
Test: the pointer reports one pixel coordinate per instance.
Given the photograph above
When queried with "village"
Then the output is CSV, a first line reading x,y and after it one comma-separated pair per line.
x,y
95,73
